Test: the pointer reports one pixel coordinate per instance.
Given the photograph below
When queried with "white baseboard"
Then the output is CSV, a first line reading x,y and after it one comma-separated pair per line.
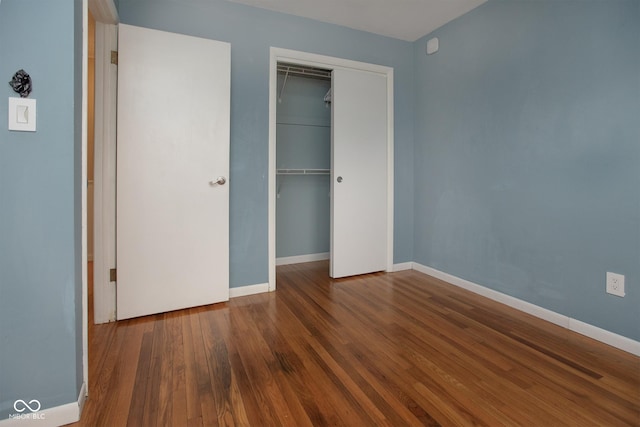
x,y
613,339
82,398
243,291
51,417
402,266
602,335
302,258
516,303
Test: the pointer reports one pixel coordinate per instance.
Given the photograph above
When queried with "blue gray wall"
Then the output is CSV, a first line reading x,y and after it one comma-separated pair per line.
x,y
252,32
303,135
527,167
40,218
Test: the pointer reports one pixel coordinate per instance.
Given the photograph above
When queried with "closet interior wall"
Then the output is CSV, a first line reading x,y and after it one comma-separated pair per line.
x,y
303,162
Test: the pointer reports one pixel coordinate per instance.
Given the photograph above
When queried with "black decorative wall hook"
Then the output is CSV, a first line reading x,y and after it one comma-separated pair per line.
x,y
21,83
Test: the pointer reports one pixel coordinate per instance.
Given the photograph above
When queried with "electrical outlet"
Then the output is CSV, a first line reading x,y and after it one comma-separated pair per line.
x,y
615,284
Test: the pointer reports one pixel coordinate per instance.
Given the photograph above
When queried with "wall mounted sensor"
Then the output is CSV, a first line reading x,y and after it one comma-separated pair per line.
x,y
433,45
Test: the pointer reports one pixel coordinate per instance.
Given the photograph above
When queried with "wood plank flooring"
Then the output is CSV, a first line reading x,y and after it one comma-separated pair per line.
x,y
382,349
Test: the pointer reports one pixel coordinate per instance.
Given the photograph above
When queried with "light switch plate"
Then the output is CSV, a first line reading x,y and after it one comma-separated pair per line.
x,y
22,114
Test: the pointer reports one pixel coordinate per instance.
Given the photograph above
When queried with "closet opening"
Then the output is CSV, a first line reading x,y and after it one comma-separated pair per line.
x,y
303,163
330,163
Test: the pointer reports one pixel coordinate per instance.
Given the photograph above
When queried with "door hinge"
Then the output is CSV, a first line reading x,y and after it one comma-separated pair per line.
x,y
112,275
114,57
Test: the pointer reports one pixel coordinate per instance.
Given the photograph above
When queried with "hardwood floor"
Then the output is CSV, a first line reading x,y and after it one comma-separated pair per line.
x,y
382,349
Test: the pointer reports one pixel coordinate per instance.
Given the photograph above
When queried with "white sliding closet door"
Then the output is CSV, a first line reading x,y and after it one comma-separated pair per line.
x,y
173,163
359,173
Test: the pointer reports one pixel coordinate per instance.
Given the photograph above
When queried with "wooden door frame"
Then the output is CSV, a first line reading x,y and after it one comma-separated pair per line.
x,y
104,11
106,39
331,63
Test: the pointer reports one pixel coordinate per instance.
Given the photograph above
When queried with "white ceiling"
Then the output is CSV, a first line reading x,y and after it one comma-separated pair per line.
x,y
401,19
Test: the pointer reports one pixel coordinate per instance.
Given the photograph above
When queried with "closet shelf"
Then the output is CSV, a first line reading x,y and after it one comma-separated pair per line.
x,y
304,71
304,124
303,171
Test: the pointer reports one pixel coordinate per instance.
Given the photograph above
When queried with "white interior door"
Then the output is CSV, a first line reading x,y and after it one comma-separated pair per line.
x,y
359,173
173,144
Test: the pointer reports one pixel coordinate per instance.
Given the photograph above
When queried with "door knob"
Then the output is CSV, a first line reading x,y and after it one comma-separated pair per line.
x,y
339,179
220,181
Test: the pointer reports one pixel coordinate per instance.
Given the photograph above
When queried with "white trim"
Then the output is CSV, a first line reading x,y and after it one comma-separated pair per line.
x,y
104,292
271,193
519,304
602,335
82,398
403,266
243,291
302,258
104,11
83,187
327,62
611,338
53,417
390,166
